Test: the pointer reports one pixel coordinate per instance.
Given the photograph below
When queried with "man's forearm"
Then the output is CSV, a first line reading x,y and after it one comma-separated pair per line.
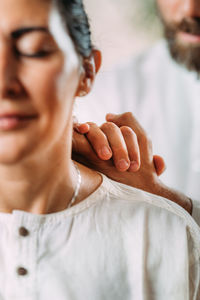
x,y
175,196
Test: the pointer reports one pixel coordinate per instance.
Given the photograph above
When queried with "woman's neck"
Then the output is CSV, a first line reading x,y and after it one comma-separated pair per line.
x,y
40,185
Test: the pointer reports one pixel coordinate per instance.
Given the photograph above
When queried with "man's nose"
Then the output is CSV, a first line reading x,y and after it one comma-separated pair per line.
x,y
191,8
9,83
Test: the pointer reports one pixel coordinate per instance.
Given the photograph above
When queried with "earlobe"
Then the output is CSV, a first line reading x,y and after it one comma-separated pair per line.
x,y
84,86
91,66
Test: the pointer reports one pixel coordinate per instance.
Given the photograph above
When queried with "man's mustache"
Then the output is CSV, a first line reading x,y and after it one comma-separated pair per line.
x,y
189,25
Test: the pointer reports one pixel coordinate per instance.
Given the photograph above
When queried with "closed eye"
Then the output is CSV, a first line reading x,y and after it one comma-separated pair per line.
x,y
39,54
35,44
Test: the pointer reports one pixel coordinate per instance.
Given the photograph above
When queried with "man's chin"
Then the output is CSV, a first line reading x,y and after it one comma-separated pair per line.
x,y
185,53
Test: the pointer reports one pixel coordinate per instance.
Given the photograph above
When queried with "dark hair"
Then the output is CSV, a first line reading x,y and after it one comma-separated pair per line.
x,y
75,18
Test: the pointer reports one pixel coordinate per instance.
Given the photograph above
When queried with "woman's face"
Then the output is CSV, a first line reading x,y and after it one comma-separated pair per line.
x,y
39,77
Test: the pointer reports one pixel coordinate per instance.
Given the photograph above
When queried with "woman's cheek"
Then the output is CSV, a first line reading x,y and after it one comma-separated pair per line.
x,y
51,84
40,78
67,85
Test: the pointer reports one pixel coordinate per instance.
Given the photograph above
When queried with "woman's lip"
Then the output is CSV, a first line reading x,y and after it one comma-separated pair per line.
x,y
10,121
16,114
189,37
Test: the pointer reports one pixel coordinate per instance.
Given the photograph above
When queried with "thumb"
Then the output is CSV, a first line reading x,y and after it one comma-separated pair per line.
x,y
159,164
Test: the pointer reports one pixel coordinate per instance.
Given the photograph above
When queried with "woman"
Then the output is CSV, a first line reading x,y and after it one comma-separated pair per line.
x,y
108,244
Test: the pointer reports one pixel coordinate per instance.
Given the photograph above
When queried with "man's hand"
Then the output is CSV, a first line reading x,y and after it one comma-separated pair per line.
x,y
129,159
92,145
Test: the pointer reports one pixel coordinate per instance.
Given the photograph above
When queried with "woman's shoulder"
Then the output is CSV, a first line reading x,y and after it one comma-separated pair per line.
x,y
123,198
135,207
124,193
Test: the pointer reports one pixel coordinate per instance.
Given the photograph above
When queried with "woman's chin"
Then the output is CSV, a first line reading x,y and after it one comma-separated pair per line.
x,y
11,157
12,151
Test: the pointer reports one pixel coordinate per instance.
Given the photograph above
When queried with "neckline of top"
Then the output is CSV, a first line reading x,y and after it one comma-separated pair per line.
x,y
23,217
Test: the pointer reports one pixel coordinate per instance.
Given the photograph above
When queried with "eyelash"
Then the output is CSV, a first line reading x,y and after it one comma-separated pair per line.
x,y
39,54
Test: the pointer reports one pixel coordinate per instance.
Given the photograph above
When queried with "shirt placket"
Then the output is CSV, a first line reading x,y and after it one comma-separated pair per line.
x,y
21,276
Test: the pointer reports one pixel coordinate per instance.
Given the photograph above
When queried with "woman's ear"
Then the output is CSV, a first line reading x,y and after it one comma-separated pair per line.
x,y
97,59
91,66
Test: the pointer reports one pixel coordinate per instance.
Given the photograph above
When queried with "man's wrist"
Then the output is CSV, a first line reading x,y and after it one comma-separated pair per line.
x,y
174,196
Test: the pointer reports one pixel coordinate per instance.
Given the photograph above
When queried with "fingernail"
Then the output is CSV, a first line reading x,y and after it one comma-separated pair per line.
x,y
133,166
105,151
123,164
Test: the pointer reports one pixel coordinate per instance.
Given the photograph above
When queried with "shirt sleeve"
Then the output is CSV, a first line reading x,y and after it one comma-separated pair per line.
x,y
196,211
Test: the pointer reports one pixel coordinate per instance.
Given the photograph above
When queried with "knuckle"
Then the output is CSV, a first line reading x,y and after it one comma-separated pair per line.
x,y
127,131
108,126
127,116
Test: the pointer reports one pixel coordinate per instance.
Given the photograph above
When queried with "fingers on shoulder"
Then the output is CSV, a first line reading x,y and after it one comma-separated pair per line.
x,y
99,141
118,146
124,144
132,145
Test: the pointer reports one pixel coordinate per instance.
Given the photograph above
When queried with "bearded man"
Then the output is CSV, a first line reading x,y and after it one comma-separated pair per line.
x,y
162,89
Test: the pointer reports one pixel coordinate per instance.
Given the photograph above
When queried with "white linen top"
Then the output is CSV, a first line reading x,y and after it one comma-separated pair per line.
x,y
118,244
165,98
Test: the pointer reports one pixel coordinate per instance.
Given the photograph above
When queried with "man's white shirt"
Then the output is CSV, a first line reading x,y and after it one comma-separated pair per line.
x,y
165,98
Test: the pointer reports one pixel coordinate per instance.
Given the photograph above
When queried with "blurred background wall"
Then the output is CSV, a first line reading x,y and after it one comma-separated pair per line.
x,y
122,28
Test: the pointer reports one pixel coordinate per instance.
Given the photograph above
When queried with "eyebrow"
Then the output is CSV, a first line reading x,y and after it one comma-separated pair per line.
x,y
21,31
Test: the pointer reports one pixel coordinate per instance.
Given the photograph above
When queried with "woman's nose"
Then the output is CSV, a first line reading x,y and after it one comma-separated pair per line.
x,y
191,8
9,84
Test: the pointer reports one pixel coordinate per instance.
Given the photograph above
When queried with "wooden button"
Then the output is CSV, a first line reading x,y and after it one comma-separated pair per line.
x,y
22,271
23,231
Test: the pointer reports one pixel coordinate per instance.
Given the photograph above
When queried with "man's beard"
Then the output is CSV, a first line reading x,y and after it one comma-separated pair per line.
x,y
185,54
